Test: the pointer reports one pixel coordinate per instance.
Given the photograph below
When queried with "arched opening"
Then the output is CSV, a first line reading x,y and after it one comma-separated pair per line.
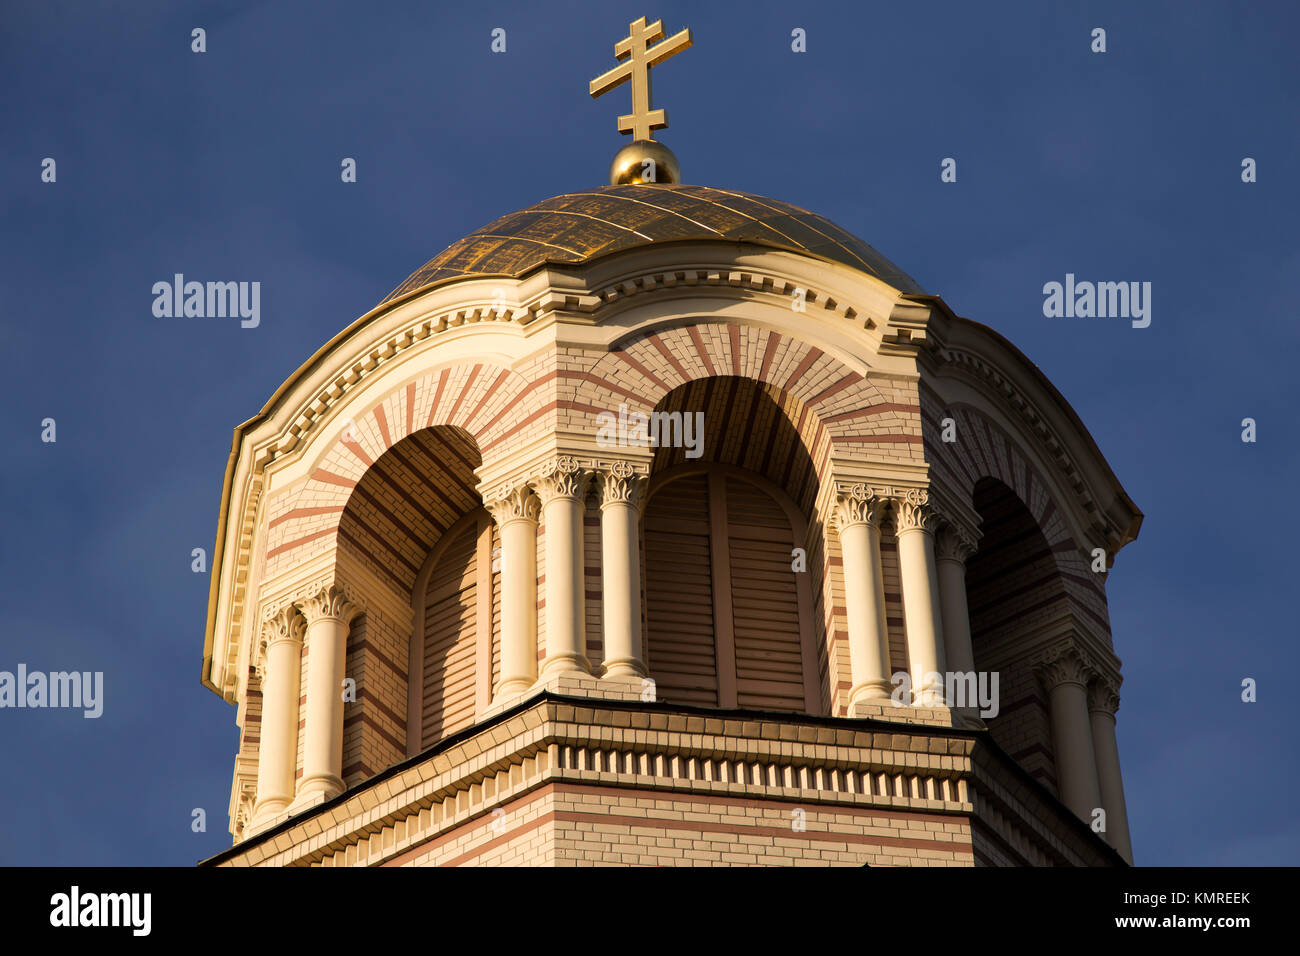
x,y
1015,593
731,583
416,502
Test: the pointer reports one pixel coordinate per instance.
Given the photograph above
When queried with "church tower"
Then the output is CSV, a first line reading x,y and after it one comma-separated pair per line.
x,y
662,524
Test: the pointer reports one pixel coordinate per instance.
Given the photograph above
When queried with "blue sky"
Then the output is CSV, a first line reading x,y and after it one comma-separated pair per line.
x,y
225,165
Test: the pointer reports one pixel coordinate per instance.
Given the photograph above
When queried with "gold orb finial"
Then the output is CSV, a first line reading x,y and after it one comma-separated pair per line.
x,y
643,162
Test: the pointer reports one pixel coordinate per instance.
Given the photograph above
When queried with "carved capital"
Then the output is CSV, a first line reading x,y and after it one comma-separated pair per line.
x,y
243,795
515,502
1103,695
1065,665
953,543
243,812
562,477
329,601
913,512
857,504
281,622
619,483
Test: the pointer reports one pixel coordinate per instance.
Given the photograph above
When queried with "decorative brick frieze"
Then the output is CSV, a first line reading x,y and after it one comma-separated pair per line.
x,y
441,808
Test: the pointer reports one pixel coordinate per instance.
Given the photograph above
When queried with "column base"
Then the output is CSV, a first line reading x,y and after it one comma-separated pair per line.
x,y
872,690
573,664
316,790
930,694
570,684
626,668
905,714
267,814
305,801
512,687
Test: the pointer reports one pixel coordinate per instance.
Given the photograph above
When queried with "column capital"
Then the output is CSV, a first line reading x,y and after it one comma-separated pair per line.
x,y
562,477
1103,696
620,482
914,512
328,600
280,623
954,543
1065,665
857,503
517,502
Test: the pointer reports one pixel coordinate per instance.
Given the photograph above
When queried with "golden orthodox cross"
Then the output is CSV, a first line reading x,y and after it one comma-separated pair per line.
x,y
639,57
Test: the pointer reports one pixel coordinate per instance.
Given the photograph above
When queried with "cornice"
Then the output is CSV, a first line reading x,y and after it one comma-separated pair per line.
x,y
540,735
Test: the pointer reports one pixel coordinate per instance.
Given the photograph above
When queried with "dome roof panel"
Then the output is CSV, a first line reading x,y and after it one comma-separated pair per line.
x,y
580,227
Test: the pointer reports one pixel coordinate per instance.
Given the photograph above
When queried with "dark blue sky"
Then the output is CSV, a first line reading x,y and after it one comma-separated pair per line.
x,y
1116,166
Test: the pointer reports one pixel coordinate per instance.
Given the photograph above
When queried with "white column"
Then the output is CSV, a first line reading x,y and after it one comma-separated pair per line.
x,y
329,612
952,547
914,522
279,664
515,513
562,490
1103,701
622,494
856,518
1066,676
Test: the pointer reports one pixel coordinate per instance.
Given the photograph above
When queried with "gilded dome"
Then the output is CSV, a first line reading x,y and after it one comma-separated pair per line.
x,y
578,227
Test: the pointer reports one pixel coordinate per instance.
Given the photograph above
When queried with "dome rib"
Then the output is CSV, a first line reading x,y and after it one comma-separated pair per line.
x,y
582,226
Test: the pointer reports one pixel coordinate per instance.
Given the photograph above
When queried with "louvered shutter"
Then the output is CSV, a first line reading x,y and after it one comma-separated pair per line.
x,y
449,624
679,594
765,601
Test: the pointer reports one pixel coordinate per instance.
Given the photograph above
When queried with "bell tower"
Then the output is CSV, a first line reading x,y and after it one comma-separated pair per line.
x,y
664,524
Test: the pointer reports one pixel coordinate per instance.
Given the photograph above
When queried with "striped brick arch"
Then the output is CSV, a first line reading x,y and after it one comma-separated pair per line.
x,y
754,426
835,405
1013,588
408,499
479,406
984,450
1028,574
